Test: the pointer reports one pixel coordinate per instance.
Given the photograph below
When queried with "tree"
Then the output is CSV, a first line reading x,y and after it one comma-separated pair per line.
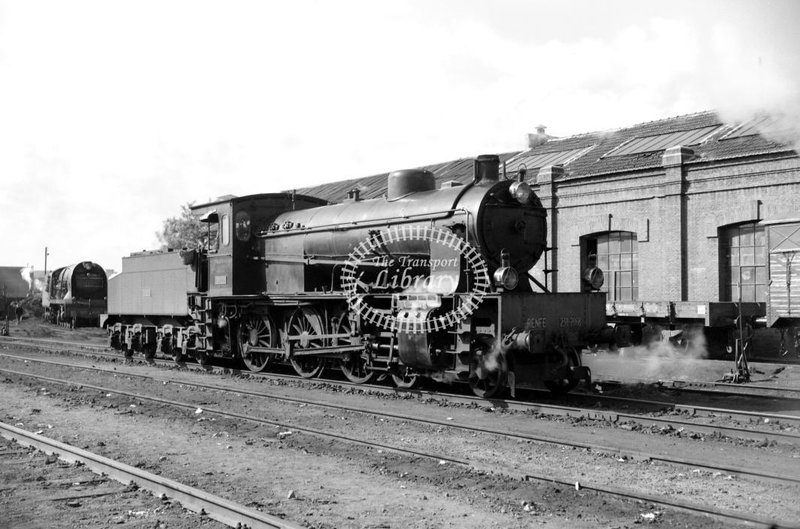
x,y
183,231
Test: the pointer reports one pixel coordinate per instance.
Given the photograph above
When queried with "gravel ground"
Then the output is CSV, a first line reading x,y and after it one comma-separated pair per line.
x,y
333,484
39,492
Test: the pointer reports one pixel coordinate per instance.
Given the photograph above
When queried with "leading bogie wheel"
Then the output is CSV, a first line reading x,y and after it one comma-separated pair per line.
x,y
405,378
562,387
356,364
256,331
306,326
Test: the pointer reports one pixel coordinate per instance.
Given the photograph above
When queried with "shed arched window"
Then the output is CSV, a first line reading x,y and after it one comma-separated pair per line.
x,y
618,257
743,258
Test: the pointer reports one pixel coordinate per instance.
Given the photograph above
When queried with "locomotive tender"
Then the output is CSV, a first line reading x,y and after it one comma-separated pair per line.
x,y
75,294
423,282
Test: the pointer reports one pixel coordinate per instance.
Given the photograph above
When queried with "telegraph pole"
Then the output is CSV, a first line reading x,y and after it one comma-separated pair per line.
x,y
45,261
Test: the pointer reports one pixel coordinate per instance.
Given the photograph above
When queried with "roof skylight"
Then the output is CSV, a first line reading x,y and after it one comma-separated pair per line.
x,y
536,161
662,141
749,128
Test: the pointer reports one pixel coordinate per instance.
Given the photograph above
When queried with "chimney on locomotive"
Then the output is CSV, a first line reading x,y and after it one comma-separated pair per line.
x,y
487,168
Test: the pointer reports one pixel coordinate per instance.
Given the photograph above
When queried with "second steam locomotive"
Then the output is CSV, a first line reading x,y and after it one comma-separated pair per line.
x,y
75,294
423,282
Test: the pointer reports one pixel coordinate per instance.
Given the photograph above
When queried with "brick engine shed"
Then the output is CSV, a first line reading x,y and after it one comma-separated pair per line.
x,y
674,211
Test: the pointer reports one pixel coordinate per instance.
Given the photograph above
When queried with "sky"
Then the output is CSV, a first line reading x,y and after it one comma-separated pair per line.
x,y
113,114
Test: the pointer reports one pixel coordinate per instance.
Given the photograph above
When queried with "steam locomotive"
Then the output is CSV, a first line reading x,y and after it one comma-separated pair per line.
x,y
75,294
423,282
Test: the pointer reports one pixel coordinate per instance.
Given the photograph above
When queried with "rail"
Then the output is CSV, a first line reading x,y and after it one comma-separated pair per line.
x,y
220,509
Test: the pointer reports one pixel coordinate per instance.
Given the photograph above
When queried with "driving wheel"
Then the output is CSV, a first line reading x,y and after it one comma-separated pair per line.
x,y
306,326
257,331
356,364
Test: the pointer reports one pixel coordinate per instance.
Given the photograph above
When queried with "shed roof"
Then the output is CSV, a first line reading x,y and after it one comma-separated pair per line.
x,y
627,149
704,132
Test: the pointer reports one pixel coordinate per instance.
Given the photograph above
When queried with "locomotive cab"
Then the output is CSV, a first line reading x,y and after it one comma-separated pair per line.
x,y
229,266
215,255
229,259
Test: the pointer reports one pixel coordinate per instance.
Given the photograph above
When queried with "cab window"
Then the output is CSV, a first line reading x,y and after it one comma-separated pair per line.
x,y
210,232
226,229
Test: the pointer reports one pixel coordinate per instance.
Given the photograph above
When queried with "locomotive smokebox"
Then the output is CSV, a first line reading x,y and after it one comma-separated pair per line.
x,y
407,181
487,168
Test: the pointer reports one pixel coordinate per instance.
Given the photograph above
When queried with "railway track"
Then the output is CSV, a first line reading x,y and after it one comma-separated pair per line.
x,y
726,388
669,502
609,416
713,388
215,507
550,409
49,343
587,409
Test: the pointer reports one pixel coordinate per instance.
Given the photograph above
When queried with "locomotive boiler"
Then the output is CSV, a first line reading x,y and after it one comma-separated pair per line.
x,y
422,282
75,294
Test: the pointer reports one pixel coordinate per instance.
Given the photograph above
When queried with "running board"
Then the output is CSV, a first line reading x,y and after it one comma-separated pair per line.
x,y
290,350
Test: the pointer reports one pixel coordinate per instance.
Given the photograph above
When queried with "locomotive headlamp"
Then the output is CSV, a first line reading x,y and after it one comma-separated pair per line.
x,y
594,278
506,277
521,191
592,275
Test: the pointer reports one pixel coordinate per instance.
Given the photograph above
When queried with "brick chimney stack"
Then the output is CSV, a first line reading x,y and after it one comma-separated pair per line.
x,y
539,137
